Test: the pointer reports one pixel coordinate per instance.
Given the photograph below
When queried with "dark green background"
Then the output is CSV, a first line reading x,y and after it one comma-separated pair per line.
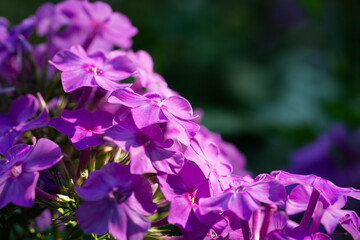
x,y
269,75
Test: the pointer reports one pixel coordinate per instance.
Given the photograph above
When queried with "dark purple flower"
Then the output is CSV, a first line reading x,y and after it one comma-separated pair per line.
x,y
149,152
117,200
19,170
334,155
14,123
82,70
83,127
151,108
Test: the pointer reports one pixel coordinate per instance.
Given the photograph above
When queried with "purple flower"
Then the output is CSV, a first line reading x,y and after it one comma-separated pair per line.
x,y
19,170
14,123
334,155
245,196
151,108
319,198
149,153
213,165
106,27
184,191
82,70
117,200
83,127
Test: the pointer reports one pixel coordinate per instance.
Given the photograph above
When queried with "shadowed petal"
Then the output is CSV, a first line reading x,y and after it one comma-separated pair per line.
x,y
96,187
46,153
100,210
23,189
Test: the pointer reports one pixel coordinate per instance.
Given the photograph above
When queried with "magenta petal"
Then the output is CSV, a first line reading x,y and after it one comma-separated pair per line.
x,y
23,189
100,210
18,153
322,236
181,214
243,205
216,204
72,80
127,97
8,140
140,162
5,191
166,161
46,153
141,199
119,68
62,126
179,107
118,222
147,115
67,61
268,192
39,122
297,200
109,84
83,139
137,225
23,108
351,224
96,187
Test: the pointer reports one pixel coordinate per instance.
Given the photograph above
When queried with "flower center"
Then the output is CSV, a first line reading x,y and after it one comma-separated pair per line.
x,y
16,170
119,196
192,197
93,69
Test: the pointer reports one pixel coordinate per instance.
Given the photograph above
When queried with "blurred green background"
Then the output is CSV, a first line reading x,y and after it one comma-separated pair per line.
x,y
269,75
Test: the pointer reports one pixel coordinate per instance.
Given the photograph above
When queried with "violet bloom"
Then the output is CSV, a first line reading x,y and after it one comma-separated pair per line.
x,y
320,199
19,170
117,200
211,163
334,155
14,123
83,127
82,70
184,191
106,27
149,152
244,198
151,108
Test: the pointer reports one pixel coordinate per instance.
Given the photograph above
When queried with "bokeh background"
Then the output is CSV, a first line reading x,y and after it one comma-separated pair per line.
x,y
270,76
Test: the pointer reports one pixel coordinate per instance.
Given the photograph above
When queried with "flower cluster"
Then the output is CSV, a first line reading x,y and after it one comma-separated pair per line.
x,y
125,156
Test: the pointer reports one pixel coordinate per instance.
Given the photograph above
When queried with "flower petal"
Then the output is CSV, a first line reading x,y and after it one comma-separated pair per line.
x,y
46,153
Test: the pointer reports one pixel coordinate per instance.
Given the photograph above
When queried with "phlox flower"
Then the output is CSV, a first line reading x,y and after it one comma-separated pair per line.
x,y
82,127
184,191
14,123
152,108
149,152
19,170
82,70
115,202
213,165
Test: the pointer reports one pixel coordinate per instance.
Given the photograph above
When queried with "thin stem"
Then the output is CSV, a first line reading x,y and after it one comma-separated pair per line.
x,y
83,160
319,212
54,225
245,229
269,211
314,197
256,224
